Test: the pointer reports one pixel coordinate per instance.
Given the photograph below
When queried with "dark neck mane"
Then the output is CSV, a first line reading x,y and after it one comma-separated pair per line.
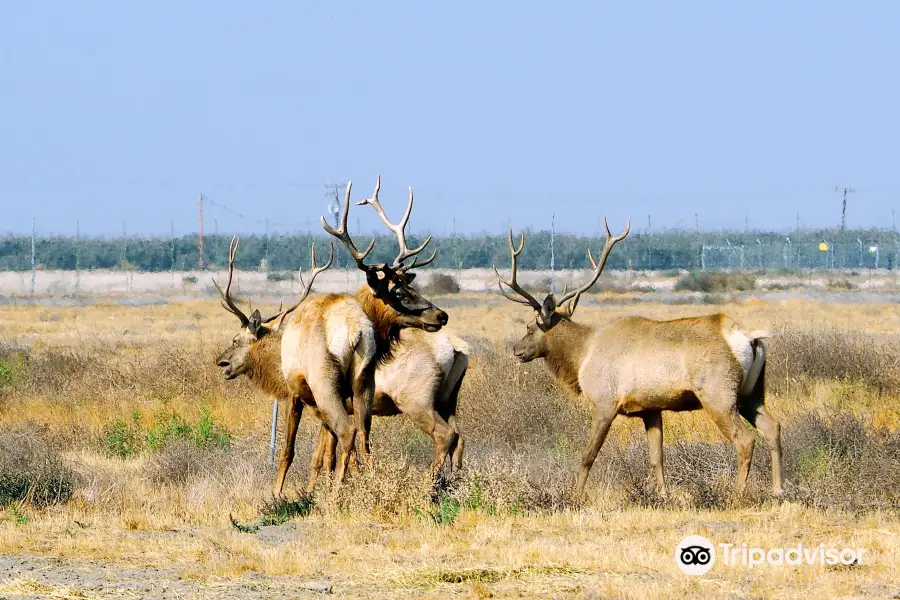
x,y
264,368
565,351
384,320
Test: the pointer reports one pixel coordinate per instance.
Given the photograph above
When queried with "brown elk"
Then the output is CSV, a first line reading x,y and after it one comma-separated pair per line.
x,y
640,367
326,353
421,379
387,303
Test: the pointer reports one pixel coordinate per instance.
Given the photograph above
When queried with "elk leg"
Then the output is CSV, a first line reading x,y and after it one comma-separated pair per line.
x,y
331,407
441,433
363,396
318,457
653,425
760,418
599,429
456,450
290,435
737,432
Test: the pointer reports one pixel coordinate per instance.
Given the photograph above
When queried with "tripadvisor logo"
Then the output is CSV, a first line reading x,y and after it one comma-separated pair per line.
x,y
696,555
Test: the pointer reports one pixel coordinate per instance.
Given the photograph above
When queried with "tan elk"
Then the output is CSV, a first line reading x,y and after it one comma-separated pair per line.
x,y
640,367
387,303
421,380
325,353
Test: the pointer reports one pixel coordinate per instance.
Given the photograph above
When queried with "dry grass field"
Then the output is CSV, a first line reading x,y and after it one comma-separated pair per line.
x,y
130,468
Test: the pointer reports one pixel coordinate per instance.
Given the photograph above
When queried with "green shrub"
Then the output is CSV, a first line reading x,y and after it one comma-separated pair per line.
x,y
715,282
280,276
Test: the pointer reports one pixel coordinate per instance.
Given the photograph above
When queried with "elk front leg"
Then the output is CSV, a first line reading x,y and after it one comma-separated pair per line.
x,y
442,435
653,425
295,410
599,428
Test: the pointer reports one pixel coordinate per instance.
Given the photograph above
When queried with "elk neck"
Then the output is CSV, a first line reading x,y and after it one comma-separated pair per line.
x,y
565,349
384,320
264,370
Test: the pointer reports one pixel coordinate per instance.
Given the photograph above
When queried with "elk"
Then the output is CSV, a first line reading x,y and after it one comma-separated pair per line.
x,y
421,379
318,357
387,303
639,367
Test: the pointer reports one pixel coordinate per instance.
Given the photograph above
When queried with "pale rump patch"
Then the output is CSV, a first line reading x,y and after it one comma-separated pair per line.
x,y
345,327
741,348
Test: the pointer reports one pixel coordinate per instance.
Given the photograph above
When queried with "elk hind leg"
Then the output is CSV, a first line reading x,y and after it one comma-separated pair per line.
x,y
653,425
736,431
363,396
441,433
331,406
318,457
760,418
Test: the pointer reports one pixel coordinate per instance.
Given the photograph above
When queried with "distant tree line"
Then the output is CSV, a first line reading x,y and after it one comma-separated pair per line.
x,y
676,249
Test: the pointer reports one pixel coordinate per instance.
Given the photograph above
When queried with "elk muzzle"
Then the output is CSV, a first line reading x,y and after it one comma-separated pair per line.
x,y
433,319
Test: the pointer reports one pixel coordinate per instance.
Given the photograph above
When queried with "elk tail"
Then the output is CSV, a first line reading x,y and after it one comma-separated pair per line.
x,y
759,361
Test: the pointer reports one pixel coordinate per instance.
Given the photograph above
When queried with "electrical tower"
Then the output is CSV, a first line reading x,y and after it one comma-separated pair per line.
x,y
847,190
200,231
333,191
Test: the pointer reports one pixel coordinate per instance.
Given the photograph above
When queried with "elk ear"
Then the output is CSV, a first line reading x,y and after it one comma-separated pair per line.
x,y
409,277
255,322
548,308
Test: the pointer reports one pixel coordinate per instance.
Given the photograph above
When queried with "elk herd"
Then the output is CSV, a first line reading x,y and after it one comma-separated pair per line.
x,y
387,350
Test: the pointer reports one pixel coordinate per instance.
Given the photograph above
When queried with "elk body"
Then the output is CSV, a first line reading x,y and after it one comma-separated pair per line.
x,y
640,367
326,349
332,329
421,380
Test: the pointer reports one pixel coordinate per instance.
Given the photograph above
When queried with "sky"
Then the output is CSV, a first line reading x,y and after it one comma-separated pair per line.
x,y
118,115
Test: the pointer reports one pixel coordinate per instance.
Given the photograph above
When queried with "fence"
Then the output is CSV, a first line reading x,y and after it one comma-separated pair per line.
x,y
61,261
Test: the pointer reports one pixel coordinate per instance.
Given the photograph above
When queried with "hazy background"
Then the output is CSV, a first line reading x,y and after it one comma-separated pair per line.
x,y
119,114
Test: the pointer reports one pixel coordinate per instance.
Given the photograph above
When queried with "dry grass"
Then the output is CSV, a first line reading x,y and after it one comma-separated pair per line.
x,y
96,390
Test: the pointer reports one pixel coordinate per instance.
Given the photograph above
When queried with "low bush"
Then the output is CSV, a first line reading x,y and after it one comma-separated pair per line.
x,y
440,283
31,468
715,282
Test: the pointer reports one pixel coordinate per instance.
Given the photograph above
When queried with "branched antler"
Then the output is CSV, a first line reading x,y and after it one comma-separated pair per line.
x,y
514,253
399,230
343,234
227,300
314,270
575,295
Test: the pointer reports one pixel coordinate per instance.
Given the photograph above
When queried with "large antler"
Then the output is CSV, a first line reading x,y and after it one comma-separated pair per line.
x,y
343,234
400,231
514,253
306,287
227,300
575,295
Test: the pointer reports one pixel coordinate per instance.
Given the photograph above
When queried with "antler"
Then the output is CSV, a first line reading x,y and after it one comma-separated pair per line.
x,y
306,287
399,231
342,234
575,295
512,284
227,300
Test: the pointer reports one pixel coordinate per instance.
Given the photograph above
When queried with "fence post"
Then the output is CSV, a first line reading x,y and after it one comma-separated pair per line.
x,y
274,428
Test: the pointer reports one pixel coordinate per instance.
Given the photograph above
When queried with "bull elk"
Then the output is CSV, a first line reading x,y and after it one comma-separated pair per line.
x,y
639,367
325,352
421,380
384,306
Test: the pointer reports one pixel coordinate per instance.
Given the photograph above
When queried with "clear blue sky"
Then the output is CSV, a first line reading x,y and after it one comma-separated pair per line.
x,y
125,111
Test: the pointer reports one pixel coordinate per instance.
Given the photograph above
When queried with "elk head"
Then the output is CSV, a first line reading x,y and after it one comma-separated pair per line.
x,y
391,284
550,312
235,361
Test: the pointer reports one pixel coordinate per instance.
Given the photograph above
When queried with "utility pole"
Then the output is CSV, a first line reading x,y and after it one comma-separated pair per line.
x,y
33,255
847,190
77,255
200,231
552,255
333,191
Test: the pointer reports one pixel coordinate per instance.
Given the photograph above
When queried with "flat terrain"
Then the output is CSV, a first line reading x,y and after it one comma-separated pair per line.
x,y
149,474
